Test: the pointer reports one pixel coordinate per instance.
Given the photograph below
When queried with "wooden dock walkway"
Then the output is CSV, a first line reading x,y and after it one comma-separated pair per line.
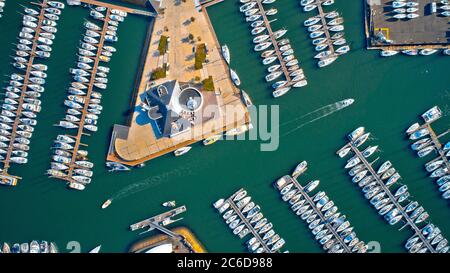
x,y
246,222
90,87
274,42
126,9
318,212
9,150
438,145
391,197
158,219
325,28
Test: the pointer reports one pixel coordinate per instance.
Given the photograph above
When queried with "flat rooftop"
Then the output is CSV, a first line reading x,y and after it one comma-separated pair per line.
x,y
427,29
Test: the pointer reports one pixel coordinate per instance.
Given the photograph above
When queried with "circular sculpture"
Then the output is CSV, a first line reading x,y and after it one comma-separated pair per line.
x,y
190,99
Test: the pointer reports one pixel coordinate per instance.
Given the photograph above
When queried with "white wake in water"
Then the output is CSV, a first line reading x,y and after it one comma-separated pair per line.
x,y
317,114
151,182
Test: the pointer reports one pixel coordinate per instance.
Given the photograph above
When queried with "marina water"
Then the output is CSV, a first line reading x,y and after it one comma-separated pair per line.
x,y
389,95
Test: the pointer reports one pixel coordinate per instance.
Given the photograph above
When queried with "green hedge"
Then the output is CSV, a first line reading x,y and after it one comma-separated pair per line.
x,y
208,84
158,73
162,47
200,56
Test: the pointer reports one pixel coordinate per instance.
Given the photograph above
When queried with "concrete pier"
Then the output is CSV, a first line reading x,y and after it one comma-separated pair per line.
x,y
137,141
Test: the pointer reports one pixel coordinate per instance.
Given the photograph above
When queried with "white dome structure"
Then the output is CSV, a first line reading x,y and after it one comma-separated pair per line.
x,y
165,248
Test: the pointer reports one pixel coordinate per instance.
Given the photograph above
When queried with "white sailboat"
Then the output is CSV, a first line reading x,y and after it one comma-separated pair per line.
x,y
182,151
235,77
96,249
226,53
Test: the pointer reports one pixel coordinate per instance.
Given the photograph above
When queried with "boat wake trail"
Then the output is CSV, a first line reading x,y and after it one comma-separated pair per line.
x,y
317,114
151,182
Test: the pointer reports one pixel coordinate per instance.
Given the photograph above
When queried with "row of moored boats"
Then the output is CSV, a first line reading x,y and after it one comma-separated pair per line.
x,y
405,10
32,247
83,101
276,52
424,145
414,52
408,10
234,76
326,31
21,103
377,185
244,218
328,226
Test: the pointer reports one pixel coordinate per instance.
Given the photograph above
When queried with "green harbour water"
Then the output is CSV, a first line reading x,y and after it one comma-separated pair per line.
x,y
389,93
